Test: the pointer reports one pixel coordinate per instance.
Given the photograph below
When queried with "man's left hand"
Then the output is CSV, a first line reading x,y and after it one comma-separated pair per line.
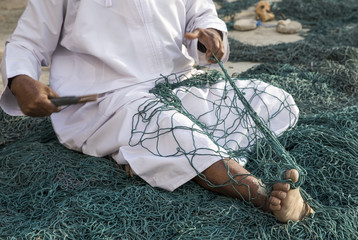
x,y
212,41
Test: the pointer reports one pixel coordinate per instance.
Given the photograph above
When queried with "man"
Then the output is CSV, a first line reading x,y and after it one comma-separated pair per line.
x,y
116,49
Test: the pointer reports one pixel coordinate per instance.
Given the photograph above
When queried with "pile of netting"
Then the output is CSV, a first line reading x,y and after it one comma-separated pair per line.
x,y
50,192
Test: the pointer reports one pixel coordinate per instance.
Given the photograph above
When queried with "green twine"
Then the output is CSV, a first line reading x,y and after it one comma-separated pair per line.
x,y
286,161
49,192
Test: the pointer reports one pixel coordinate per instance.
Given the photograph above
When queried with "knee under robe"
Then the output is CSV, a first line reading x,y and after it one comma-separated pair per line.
x,y
170,148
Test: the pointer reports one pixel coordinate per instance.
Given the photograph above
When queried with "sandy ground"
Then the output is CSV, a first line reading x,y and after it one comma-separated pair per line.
x,y
11,10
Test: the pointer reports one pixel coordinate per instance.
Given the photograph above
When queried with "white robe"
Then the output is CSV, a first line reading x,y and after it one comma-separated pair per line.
x,y
96,46
117,49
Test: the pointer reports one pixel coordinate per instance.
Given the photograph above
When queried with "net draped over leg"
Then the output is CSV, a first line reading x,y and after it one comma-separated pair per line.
x,y
169,140
193,127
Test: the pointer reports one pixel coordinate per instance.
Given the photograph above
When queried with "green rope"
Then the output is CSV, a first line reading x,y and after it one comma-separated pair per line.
x,y
50,192
286,160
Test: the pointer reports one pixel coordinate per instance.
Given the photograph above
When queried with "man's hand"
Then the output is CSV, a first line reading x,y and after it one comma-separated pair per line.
x,y
212,41
33,96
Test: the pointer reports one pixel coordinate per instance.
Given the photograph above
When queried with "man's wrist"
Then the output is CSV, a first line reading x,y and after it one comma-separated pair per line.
x,y
12,82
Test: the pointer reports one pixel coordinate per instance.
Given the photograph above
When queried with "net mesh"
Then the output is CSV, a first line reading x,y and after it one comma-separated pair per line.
x,y
50,192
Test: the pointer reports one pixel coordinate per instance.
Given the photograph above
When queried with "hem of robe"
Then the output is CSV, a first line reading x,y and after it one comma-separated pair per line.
x,y
176,170
178,179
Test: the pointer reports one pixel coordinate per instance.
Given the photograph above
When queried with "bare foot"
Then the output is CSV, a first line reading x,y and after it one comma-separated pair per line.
x,y
129,170
288,204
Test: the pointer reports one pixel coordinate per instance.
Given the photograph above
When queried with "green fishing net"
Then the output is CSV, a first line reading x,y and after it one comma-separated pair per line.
x,y
50,192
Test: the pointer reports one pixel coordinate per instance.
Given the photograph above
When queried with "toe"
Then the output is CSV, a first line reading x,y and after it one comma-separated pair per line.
x,y
285,187
275,207
274,201
292,174
279,194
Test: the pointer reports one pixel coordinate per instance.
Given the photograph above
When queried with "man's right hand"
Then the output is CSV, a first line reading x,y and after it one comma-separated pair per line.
x,y
33,96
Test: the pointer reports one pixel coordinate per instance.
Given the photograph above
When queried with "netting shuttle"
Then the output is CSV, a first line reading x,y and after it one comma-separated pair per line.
x,y
69,100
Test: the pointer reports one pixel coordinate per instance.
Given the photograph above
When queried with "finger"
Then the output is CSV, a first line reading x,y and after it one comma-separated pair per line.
x,y
36,107
54,108
41,107
214,58
53,94
220,52
51,108
210,57
192,35
47,108
215,48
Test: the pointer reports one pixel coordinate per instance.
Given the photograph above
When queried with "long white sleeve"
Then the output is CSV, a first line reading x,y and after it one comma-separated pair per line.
x,y
202,14
31,45
96,47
